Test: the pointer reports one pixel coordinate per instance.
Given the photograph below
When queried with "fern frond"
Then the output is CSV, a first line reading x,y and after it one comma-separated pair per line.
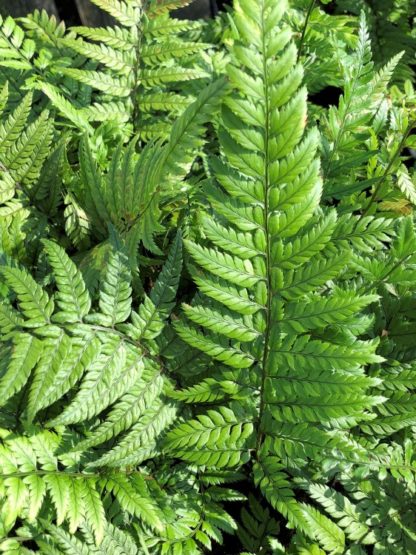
x,y
115,290
73,299
65,107
61,365
269,246
124,12
29,468
133,63
217,438
23,358
190,308
99,80
127,411
327,532
142,440
364,94
340,507
129,493
158,7
34,303
148,321
16,50
109,57
110,375
274,484
115,37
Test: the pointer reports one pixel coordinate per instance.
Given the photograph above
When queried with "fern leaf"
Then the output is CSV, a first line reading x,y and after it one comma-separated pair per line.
x,y
122,11
236,299
208,391
129,494
115,37
406,185
109,376
340,507
25,157
64,369
75,513
58,487
109,57
330,536
34,302
147,323
321,312
157,7
73,299
54,355
269,248
216,439
231,356
12,128
66,108
233,269
16,50
100,81
127,411
95,204
140,443
160,52
68,543
115,291
273,482
94,510
24,356
221,323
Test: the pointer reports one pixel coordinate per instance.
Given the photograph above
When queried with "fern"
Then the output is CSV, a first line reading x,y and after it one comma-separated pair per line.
x,y
30,472
130,195
105,365
390,29
362,101
195,310
24,165
268,193
139,60
323,42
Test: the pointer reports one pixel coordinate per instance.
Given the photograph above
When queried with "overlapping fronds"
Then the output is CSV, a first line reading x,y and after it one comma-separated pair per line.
x,y
135,192
195,310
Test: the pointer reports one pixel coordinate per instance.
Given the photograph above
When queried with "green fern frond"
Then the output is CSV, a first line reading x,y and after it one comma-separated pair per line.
x,y
34,303
359,106
192,312
29,470
217,438
23,358
158,7
148,321
115,291
123,11
73,299
16,50
131,194
265,231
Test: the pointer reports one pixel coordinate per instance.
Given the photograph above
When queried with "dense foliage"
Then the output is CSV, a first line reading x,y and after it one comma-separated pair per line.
x,y
208,316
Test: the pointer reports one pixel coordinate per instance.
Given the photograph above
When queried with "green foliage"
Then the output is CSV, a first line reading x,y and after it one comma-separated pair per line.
x,y
207,309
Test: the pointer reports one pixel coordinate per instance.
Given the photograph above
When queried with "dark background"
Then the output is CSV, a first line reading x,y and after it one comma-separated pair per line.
x,y
75,12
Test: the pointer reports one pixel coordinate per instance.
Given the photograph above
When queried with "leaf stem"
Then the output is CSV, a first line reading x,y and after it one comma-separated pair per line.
x,y
268,246
143,545
305,25
386,172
